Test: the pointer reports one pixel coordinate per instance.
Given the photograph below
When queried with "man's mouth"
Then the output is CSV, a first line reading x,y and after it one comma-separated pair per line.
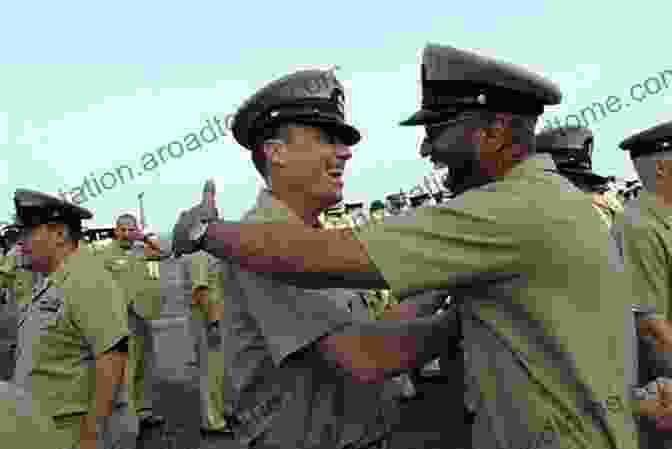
x,y
438,165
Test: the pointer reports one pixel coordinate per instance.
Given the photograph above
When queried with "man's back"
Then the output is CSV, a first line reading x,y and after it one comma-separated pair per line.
x,y
569,288
529,258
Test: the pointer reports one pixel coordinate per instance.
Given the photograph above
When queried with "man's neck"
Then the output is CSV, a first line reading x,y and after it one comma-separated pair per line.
x,y
308,214
57,263
663,199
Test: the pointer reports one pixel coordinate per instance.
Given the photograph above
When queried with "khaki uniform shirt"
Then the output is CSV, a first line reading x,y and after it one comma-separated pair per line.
x,y
204,273
23,423
644,235
75,315
127,268
279,388
149,300
532,264
17,282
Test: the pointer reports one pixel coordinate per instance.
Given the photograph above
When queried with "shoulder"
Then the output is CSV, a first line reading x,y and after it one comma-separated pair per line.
x,y
637,218
86,271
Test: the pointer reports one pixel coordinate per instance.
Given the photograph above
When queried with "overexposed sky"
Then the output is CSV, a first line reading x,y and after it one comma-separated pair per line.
x,y
87,89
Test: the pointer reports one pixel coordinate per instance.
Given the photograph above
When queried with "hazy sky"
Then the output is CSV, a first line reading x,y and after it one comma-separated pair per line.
x,y
85,89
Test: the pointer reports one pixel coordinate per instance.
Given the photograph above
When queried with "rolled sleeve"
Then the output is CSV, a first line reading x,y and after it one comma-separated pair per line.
x,y
199,271
442,247
98,309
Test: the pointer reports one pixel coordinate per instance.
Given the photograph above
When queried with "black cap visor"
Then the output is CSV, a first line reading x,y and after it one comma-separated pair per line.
x,y
346,133
586,175
428,117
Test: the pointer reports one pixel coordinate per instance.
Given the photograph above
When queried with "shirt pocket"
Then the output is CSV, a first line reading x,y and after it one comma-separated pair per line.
x,y
49,309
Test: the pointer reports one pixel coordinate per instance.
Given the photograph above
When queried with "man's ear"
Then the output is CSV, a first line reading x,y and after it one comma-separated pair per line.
x,y
58,232
276,153
664,168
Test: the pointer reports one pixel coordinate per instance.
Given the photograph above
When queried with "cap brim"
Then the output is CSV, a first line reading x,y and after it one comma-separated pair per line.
x,y
347,133
589,176
427,117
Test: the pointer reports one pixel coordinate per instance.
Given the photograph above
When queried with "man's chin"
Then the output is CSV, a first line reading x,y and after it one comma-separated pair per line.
x,y
38,266
331,199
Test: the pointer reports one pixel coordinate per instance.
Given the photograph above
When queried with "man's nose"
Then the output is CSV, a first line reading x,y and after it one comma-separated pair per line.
x,y
425,148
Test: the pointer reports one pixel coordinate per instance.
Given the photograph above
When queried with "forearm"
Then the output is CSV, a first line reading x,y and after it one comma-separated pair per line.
x,y
295,254
374,351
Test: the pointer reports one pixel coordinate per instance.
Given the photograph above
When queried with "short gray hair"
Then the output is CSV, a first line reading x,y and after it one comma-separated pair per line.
x,y
645,166
522,126
279,133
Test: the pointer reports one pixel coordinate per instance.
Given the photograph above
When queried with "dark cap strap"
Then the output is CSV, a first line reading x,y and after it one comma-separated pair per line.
x,y
462,95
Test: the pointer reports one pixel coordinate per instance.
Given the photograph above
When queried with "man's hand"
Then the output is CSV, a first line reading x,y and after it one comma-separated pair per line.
x,y
658,406
191,224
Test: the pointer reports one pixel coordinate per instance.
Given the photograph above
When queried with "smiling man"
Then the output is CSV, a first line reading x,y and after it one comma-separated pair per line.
x,y
533,277
281,389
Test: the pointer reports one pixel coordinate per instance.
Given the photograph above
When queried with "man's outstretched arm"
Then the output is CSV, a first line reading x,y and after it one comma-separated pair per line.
x,y
296,254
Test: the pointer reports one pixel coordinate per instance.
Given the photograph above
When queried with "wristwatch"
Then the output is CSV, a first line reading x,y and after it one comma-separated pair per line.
x,y
198,234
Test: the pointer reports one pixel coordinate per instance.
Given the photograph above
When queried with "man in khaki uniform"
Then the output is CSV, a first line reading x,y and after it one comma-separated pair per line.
x,y
72,340
645,241
531,293
572,150
283,388
124,258
23,422
206,313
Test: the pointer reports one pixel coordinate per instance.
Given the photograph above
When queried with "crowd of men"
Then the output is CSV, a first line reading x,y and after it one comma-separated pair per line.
x,y
540,296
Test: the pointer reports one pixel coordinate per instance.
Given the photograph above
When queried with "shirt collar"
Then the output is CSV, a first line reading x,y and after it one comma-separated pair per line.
x,y
274,208
532,165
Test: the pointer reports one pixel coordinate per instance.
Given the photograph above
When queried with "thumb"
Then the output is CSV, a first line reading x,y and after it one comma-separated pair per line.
x,y
209,191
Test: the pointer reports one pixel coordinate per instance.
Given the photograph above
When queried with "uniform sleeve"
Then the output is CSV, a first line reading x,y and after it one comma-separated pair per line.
x,y
7,271
98,308
646,255
448,246
199,271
